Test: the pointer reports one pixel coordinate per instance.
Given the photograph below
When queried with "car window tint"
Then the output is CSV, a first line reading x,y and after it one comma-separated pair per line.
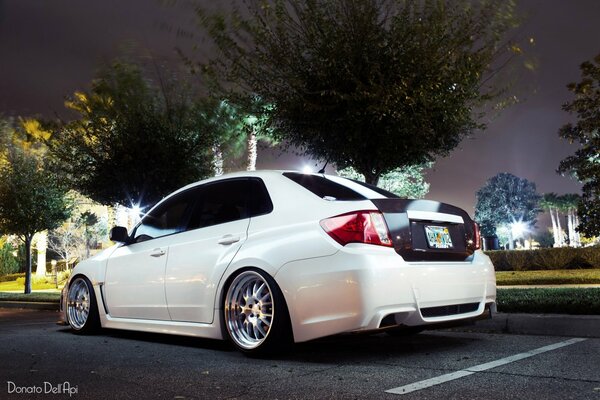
x,y
324,187
366,189
259,202
168,218
220,202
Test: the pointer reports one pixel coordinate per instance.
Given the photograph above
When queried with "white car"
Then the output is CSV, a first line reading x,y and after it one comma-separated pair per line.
x,y
268,258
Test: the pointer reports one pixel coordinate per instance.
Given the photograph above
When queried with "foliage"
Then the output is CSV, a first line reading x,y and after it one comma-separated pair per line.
x,y
545,238
585,163
32,198
546,259
74,239
9,264
135,140
549,277
505,199
375,85
555,301
407,182
11,277
241,126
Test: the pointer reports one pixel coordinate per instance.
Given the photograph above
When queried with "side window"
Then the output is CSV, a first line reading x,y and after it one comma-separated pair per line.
x,y
170,217
259,202
220,202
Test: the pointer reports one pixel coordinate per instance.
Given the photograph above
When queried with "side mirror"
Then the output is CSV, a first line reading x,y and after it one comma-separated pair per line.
x,y
119,234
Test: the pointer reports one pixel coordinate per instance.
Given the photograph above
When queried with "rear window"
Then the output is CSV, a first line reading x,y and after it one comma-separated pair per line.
x,y
324,187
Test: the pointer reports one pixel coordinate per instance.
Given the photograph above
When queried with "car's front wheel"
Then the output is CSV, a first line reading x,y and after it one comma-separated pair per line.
x,y
256,316
82,308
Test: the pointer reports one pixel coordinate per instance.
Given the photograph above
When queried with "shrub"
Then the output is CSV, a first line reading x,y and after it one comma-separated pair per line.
x,y
9,264
545,259
554,301
12,277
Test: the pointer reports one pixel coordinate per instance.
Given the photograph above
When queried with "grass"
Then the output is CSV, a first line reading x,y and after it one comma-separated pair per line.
x,y
34,296
14,286
555,277
574,301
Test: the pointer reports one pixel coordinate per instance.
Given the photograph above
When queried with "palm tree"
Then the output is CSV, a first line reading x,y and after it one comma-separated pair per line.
x,y
241,127
570,202
549,202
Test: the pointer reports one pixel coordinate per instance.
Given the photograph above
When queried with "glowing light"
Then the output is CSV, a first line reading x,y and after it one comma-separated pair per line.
x,y
135,212
518,228
307,170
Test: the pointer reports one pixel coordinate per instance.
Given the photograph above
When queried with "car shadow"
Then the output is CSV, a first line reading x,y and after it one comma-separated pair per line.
x,y
363,347
344,348
151,337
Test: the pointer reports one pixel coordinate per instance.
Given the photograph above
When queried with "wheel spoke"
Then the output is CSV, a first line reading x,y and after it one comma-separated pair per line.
x,y
248,310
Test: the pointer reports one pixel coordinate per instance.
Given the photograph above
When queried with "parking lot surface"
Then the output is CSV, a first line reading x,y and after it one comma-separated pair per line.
x,y
43,360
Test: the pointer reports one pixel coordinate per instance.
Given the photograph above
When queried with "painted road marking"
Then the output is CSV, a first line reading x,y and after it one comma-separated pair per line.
x,y
478,368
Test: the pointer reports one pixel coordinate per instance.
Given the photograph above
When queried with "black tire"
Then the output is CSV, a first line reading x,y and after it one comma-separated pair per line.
x,y
81,297
255,314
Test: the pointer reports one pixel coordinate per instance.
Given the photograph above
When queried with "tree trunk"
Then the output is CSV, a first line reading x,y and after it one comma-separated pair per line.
x,y
575,225
41,246
370,177
571,229
218,160
28,239
252,145
554,227
559,230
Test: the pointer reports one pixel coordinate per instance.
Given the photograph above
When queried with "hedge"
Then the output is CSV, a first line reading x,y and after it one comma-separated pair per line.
x,y
11,277
554,301
546,259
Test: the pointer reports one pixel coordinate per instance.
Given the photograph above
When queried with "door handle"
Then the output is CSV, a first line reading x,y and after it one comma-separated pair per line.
x,y
228,239
158,253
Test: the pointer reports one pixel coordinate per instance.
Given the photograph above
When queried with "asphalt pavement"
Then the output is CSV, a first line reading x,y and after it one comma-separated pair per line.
x,y
39,355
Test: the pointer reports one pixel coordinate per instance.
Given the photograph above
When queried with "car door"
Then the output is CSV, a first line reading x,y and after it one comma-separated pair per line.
x,y
218,228
135,272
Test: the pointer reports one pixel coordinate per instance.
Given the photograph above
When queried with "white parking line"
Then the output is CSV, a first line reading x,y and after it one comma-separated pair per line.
x,y
478,368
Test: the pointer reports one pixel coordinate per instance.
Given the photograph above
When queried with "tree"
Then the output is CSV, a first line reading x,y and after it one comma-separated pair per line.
x,y
9,262
407,182
32,199
568,205
549,202
371,84
242,126
135,140
66,241
506,200
584,165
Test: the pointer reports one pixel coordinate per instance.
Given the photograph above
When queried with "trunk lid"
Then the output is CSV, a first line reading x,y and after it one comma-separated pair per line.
x,y
425,230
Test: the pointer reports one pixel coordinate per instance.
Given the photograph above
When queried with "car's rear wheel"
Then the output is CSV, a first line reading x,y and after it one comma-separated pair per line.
x,y
82,308
256,316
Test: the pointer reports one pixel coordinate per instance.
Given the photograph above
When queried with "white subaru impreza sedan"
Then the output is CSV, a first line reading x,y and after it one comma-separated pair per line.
x,y
269,258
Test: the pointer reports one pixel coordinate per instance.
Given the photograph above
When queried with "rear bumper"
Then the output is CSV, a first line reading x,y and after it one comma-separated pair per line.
x,y
364,287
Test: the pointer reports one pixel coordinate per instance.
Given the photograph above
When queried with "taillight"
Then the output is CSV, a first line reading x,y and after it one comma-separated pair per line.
x,y
358,227
477,236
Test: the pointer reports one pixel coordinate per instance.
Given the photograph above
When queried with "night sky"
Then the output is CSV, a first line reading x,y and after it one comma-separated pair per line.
x,y
49,49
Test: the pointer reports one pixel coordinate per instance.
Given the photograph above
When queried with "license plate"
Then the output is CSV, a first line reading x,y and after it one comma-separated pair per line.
x,y
438,237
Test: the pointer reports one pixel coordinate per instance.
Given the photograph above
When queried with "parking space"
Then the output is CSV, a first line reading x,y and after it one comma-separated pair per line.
x,y
116,364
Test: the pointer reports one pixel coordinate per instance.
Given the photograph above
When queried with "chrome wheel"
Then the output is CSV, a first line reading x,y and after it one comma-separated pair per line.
x,y
78,303
249,310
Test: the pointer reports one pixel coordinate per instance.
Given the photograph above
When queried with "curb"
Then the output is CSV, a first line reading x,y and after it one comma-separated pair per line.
x,y
539,324
32,305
